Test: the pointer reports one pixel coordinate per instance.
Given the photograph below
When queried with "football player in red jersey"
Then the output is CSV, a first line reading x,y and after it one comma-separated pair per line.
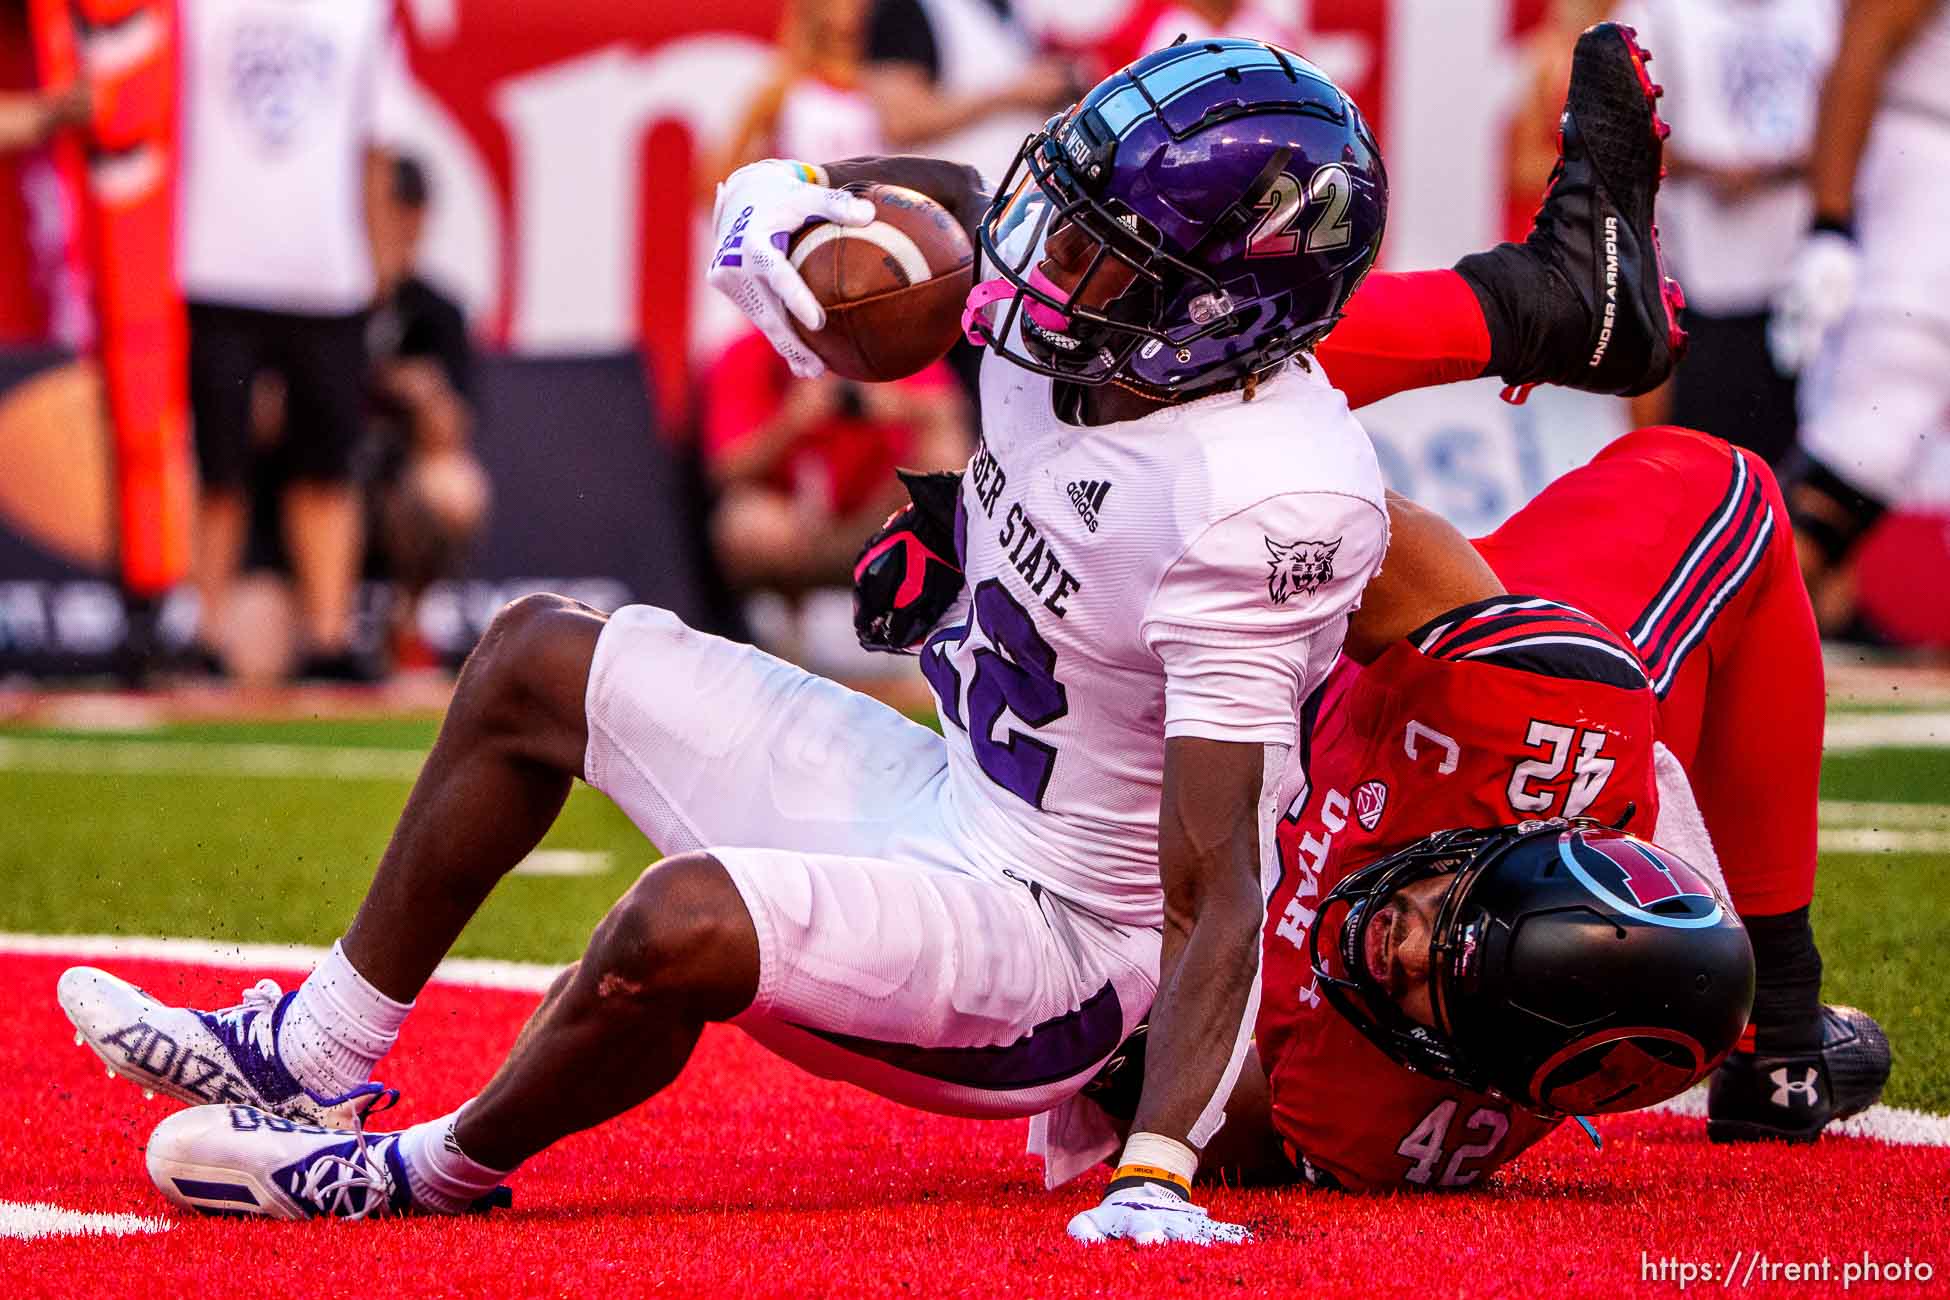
x,y
1462,705
1658,666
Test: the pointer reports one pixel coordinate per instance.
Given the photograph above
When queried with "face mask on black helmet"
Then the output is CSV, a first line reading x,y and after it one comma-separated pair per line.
x,y
1224,199
1573,969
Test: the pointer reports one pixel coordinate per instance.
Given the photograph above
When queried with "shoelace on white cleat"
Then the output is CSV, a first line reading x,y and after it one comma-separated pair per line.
x,y
330,1181
260,1000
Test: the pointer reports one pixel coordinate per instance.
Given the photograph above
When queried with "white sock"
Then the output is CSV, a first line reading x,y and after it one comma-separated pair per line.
x,y
440,1175
337,1027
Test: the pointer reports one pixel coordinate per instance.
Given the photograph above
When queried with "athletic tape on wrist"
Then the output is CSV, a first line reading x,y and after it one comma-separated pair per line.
x,y
1153,1158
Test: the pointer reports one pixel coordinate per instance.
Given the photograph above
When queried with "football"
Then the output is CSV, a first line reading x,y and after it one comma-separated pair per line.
x,y
893,289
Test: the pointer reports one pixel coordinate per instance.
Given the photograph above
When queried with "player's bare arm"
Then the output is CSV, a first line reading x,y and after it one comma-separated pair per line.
x,y
1874,32
1822,281
1208,858
954,186
1430,567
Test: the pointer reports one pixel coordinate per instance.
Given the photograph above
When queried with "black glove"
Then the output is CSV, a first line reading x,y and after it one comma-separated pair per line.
x,y
909,572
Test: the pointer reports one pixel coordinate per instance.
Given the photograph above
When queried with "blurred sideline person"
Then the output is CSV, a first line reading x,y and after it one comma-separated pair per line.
x,y
425,495
1865,313
960,80
804,468
814,105
1531,136
283,108
1153,24
28,118
1741,79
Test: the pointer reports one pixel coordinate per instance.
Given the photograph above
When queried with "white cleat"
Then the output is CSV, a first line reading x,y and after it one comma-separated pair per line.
x,y
200,1057
238,1160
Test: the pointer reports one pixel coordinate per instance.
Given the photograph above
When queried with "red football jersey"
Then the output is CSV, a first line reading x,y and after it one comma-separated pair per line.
x,y
1507,709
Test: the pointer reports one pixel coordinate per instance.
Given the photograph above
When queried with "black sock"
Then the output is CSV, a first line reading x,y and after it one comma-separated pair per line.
x,y
1525,337
1787,983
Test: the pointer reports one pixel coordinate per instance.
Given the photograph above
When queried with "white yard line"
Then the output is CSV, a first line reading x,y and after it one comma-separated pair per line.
x,y
1869,839
1858,827
564,862
28,1220
468,972
1853,732
1892,1124
1846,733
1895,1125
1885,816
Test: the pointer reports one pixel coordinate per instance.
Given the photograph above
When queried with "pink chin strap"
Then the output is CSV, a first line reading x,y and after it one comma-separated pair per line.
x,y
989,292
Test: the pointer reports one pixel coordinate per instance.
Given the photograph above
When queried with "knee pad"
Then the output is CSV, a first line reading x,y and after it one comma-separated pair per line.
x,y
1824,507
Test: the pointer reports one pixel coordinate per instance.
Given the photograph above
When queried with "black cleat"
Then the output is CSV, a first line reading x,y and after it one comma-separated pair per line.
x,y
1791,1098
1584,301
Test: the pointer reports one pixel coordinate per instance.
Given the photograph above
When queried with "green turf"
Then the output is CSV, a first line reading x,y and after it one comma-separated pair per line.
x,y
1890,776
286,860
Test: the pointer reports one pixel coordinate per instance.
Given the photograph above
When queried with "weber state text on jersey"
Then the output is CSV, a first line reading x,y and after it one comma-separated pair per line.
x,y
1189,573
1503,710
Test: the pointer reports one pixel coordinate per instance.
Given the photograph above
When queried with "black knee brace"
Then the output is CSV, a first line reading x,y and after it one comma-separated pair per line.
x,y
1824,508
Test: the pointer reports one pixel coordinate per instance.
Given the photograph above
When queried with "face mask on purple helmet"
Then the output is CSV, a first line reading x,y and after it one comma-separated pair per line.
x,y
1019,240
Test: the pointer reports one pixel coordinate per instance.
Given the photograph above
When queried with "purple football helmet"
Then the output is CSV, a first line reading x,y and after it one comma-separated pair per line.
x,y
1229,194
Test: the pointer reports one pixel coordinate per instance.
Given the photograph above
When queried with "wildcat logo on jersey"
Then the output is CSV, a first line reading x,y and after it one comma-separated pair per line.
x,y
1370,798
1299,568
1636,877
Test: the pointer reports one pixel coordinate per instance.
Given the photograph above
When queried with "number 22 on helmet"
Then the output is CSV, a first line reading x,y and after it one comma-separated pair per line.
x,y
1200,216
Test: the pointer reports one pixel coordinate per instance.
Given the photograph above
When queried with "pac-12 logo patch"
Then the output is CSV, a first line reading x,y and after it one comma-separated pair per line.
x,y
1299,568
1370,797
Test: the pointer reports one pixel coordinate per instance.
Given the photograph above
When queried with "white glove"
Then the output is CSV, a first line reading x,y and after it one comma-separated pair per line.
x,y
759,208
1820,286
1150,1213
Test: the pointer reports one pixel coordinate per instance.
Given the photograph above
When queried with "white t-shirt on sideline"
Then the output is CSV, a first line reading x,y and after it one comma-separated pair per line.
x,y
1741,79
280,101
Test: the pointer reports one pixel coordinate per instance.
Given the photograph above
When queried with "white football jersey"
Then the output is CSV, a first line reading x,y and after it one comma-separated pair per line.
x,y
1185,574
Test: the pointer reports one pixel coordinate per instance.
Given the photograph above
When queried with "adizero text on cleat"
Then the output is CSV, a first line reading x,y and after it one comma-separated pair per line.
x,y
195,1056
1584,301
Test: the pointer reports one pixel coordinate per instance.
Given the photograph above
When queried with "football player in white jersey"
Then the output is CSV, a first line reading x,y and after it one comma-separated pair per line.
x,y
1865,313
969,923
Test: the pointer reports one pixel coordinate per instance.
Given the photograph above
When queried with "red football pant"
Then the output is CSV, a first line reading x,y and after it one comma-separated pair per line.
x,y
1668,539
1404,331
1759,701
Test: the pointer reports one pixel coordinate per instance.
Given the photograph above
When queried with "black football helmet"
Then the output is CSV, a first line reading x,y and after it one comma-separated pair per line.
x,y
1574,969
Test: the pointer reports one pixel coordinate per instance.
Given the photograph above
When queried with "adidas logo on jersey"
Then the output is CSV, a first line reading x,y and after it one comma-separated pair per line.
x,y
1087,495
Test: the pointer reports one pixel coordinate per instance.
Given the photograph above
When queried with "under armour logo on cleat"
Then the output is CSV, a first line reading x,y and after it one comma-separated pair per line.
x,y
1803,1089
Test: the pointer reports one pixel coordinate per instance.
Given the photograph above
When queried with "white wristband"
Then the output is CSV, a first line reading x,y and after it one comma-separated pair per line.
x,y
1168,1154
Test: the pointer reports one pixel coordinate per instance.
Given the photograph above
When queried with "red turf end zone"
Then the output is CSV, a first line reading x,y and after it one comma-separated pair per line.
x,y
749,1179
